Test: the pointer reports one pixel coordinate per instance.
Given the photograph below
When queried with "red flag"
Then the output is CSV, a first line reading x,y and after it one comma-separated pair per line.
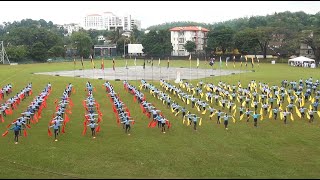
x,y
154,124
2,120
71,103
98,128
49,132
25,133
150,123
66,118
99,119
5,133
39,114
35,117
28,126
84,130
63,129
168,123
8,125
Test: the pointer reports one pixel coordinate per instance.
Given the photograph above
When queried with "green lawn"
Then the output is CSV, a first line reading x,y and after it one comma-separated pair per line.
x,y
273,150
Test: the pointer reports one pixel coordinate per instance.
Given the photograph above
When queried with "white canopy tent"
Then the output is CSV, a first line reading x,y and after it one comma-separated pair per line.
x,y
301,61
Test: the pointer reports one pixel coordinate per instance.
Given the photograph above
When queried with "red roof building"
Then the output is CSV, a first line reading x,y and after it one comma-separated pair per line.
x,y
180,35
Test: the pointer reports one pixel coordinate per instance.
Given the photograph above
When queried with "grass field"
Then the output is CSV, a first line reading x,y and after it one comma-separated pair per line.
x,y
273,150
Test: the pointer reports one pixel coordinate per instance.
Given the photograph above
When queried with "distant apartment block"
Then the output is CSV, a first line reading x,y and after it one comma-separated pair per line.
x,y
306,51
180,35
109,21
70,28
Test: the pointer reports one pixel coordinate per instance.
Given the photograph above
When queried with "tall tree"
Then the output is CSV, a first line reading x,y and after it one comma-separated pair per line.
x,y
157,43
312,39
221,38
39,52
264,35
82,42
190,46
246,41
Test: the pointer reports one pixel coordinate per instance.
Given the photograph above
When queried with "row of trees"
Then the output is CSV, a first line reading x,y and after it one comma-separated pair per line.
x,y
39,40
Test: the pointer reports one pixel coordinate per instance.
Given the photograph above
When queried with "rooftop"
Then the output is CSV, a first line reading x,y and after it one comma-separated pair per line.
x,y
189,28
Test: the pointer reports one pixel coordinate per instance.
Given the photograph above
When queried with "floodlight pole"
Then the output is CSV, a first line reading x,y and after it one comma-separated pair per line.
x,y
3,54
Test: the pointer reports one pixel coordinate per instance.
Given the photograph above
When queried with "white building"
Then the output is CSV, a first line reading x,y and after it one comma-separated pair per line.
x,y
180,35
70,28
109,21
136,23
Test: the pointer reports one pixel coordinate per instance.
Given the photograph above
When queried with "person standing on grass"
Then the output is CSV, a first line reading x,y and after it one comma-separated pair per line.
x,y
315,106
128,127
248,112
93,128
28,116
311,114
241,110
56,129
195,119
163,124
211,110
226,121
16,129
302,111
58,119
3,108
219,115
285,113
183,110
271,100
275,112
255,118
19,123
265,106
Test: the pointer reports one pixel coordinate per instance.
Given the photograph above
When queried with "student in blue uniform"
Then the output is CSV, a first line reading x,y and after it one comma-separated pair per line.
x,y
56,129
127,123
16,129
93,128
255,119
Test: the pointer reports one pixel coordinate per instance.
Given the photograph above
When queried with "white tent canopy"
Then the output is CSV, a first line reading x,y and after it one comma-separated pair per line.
x,y
301,60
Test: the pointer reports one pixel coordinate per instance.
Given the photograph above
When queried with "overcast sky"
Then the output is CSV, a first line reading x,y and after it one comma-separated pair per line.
x,y
150,13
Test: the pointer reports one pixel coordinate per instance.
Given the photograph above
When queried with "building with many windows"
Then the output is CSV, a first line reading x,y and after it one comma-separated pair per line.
x,y
70,28
109,21
306,51
180,35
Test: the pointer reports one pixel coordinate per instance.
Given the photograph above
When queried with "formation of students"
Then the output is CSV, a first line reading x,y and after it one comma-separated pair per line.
x,y
7,89
148,108
256,101
175,107
13,102
60,117
35,108
92,107
261,93
120,110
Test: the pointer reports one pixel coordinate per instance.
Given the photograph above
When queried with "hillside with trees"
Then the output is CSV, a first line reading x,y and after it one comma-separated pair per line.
x,y
279,33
